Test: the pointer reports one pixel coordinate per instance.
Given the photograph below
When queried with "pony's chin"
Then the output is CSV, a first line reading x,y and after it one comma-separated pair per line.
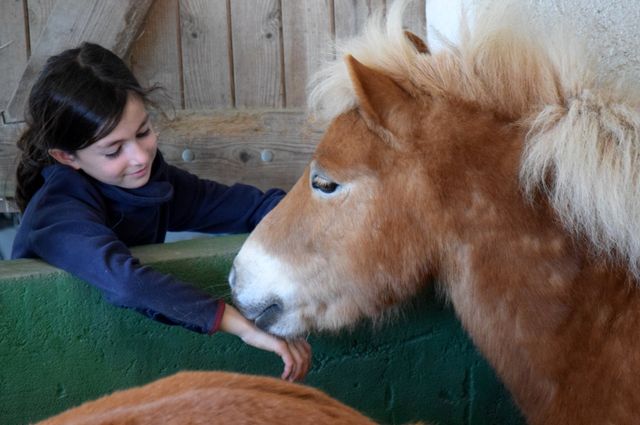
x,y
285,328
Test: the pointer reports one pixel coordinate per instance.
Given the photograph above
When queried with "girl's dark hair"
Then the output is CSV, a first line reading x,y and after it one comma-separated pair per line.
x,y
78,99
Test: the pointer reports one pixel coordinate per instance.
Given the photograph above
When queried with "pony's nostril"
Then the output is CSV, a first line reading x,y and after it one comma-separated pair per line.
x,y
269,316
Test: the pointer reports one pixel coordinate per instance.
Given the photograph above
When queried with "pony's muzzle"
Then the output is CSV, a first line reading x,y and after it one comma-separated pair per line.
x,y
263,314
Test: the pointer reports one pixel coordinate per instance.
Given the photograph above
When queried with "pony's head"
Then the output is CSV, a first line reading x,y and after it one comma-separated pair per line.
x,y
426,156
345,242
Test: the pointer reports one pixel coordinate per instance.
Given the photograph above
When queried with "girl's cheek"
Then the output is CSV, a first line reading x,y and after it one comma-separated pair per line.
x,y
154,140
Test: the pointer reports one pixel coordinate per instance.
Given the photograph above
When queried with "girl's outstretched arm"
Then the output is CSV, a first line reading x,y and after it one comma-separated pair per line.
x,y
210,207
296,354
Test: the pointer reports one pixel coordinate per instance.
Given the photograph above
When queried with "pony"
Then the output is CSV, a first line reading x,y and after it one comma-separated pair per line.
x,y
505,168
204,398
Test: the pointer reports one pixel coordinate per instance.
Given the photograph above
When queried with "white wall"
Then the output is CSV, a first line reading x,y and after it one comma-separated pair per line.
x,y
611,27
443,17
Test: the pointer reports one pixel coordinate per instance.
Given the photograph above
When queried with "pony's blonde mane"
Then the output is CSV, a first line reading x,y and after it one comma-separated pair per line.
x,y
583,143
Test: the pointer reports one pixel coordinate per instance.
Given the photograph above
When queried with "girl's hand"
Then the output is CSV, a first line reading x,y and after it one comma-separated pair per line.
x,y
296,354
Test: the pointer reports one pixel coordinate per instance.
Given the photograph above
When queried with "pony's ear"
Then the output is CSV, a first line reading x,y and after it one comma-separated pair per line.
x,y
380,100
417,42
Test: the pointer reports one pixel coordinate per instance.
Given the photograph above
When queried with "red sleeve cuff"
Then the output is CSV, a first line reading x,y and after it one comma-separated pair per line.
x,y
218,318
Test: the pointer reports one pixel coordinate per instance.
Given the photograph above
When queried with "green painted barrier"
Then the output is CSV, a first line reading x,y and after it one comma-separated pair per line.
x,y
61,344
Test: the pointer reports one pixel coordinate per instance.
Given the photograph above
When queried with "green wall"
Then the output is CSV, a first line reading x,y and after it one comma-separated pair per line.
x,y
61,344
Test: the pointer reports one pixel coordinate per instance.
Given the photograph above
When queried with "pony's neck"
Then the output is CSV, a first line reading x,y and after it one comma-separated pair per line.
x,y
540,308
508,307
541,311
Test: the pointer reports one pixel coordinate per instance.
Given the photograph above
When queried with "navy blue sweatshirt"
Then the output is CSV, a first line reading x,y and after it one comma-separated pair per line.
x,y
85,227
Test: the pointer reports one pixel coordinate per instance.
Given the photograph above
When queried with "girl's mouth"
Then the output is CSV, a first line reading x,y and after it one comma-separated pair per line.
x,y
140,172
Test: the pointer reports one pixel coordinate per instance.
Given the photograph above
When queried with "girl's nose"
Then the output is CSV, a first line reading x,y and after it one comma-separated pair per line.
x,y
138,154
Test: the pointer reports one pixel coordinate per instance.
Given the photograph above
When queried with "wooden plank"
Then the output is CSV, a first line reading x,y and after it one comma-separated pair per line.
x,y
206,54
234,146
39,11
155,55
294,22
307,31
257,53
112,23
351,16
9,157
13,48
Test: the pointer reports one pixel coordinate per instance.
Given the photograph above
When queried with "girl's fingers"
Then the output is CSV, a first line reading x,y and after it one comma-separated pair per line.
x,y
299,370
295,354
305,346
288,369
282,349
305,349
301,351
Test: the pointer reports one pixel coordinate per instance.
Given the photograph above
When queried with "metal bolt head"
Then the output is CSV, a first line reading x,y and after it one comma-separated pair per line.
x,y
188,155
266,155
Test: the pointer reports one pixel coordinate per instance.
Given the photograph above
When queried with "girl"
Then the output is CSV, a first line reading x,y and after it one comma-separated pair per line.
x,y
91,183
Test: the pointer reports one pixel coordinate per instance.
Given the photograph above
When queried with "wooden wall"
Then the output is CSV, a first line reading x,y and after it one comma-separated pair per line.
x,y
246,53
234,71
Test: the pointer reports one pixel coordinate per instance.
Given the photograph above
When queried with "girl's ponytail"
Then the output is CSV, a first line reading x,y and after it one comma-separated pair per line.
x,y
32,160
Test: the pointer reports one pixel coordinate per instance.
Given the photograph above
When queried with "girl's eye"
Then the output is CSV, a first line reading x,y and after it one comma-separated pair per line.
x,y
323,185
115,153
144,133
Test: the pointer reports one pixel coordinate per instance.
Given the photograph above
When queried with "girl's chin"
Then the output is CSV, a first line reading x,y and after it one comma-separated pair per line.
x,y
135,183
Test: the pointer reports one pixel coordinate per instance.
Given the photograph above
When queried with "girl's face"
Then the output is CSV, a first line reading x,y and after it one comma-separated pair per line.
x,y
123,157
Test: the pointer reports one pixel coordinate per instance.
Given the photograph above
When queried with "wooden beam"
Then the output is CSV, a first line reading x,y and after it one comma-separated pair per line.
x,y
264,148
114,24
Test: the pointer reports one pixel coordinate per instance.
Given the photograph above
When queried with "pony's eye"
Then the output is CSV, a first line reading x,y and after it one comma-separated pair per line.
x,y
323,185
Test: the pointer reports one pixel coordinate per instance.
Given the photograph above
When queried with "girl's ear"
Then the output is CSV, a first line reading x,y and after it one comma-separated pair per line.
x,y
64,158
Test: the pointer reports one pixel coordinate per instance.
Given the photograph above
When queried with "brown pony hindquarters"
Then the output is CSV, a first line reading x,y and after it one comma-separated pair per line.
x,y
204,398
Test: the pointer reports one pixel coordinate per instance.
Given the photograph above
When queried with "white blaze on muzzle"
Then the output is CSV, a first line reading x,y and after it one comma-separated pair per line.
x,y
263,290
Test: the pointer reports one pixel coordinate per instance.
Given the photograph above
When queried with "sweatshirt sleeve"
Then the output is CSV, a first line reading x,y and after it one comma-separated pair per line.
x,y
72,235
207,206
